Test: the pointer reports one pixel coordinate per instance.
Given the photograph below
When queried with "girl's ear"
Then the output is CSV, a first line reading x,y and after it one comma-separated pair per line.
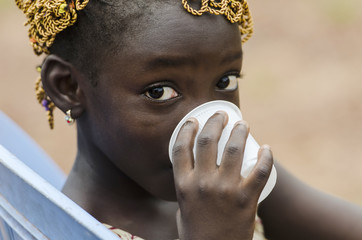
x,y
61,83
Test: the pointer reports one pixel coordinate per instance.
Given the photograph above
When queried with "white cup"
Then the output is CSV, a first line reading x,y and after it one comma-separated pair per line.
x,y
202,113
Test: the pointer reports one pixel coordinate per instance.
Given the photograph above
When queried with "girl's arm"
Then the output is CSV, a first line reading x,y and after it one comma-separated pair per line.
x,y
296,211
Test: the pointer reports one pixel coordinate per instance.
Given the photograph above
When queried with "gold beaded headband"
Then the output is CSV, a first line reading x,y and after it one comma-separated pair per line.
x,y
47,18
236,11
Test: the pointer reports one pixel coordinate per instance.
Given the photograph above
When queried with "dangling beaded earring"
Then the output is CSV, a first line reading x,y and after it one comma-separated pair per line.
x,y
44,99
68,117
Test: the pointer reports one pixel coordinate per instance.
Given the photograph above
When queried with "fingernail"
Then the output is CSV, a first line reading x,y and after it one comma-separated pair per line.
x,y
225,115
191,120
221,112
266,146
242,122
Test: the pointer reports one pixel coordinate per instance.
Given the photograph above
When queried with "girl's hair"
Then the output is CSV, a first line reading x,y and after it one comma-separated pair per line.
x,y
50,21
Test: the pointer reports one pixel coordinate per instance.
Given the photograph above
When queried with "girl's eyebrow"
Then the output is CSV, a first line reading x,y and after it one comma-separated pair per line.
x,y
232,57
178,61
169,61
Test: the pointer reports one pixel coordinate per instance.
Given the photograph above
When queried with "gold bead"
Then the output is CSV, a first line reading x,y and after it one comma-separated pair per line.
x,y
62,8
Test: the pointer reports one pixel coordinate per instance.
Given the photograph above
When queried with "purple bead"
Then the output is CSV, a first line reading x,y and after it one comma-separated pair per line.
x,y
44,102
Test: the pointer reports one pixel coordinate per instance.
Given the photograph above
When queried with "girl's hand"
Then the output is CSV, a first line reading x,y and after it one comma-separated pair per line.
x,y
216,202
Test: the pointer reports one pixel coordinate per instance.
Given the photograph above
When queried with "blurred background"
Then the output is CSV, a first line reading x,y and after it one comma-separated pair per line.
x,y
301,94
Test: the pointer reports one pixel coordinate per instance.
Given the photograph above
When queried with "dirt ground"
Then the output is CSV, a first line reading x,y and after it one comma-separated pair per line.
x,y
301,92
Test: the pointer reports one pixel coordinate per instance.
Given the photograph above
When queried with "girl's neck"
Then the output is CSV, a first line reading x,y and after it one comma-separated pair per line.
x,y
106,193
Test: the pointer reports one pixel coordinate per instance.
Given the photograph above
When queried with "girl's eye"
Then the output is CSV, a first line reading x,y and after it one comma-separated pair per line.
x,y
161,93
228,83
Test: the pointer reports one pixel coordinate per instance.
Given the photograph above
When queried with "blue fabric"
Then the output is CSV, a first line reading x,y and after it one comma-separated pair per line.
x,y
19,143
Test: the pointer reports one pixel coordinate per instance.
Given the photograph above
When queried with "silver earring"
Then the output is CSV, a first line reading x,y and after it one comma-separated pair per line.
x,y
68,117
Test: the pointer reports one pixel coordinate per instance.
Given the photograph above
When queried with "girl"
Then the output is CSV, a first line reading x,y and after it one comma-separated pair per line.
x,y
128,71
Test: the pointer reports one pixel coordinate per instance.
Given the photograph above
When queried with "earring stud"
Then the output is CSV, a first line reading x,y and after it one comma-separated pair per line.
x,y
68,117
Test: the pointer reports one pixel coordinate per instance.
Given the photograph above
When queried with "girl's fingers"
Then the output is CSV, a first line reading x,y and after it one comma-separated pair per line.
x,y
207,142
182,151
233,155
259,176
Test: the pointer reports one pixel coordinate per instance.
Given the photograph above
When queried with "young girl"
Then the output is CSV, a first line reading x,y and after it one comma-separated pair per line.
x,y
127,72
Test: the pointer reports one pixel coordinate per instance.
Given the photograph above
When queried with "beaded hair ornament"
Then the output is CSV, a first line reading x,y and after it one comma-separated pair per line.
x,y
47,18
236,11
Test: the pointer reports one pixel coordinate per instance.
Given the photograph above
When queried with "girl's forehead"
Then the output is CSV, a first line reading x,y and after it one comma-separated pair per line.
x,y
176,39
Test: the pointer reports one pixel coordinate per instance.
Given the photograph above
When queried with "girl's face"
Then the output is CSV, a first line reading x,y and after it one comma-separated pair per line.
x,y
175,62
